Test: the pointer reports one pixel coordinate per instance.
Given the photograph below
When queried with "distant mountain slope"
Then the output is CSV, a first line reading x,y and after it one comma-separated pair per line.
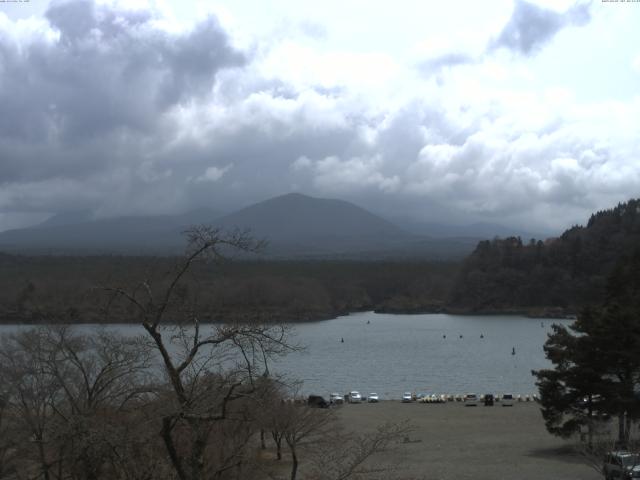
x,y
295,226
75,233
295,223
566,272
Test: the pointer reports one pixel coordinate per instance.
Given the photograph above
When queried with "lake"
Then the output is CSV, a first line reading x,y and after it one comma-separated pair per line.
x,y
390,354
396,353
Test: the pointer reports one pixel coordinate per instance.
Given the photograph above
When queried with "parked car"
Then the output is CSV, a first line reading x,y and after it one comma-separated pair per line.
x,y
507,400
355,397
373,398
471,400
621,464
336,399
488,400
407,397
317,401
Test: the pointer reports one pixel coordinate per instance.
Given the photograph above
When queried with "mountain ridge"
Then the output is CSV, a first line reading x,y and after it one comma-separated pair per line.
x,y
295,226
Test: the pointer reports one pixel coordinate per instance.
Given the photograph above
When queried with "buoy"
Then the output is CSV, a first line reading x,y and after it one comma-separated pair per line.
x,y
460,336
481,335
342,340
513,351
444,336
368,322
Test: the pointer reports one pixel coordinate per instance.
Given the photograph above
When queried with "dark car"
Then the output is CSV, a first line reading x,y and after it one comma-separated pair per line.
x,y
317,401
488,400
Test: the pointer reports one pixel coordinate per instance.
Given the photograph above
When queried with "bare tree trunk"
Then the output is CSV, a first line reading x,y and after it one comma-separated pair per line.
x,y
171,448
294,463
197,452
263,444
622,436
590,424
277,438
43,459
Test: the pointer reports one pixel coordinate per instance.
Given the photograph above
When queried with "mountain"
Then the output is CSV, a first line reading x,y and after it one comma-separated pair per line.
x,y
78,233
294,225
297,224
564,273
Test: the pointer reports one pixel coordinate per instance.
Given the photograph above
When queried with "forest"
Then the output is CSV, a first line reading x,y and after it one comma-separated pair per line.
x,y
557,276
564,273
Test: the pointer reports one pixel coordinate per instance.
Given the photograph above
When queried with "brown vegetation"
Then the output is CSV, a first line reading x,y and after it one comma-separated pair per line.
x,y
186,401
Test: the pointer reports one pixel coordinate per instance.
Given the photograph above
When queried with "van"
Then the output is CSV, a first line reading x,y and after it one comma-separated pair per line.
x,y
507,400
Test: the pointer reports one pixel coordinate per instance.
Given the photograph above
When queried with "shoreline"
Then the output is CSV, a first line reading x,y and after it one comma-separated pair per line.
x,y
543,313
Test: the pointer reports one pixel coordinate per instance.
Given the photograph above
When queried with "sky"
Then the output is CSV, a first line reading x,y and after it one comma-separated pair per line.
x,y
524,113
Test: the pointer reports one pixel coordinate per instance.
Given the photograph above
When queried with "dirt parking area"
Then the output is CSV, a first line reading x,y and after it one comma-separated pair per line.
x,y
451,441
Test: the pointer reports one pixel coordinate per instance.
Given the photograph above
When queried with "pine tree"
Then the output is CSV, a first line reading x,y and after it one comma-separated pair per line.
x,y
596,360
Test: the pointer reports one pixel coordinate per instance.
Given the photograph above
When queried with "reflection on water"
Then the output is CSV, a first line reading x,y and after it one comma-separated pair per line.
x,y
390,354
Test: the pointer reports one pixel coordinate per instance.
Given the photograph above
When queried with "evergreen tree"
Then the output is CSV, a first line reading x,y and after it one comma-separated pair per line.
x,y
596,360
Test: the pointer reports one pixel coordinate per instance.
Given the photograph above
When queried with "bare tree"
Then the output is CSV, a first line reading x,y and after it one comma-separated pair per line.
x,y
302,425
70,393
349,456
208,367
8,433
29,398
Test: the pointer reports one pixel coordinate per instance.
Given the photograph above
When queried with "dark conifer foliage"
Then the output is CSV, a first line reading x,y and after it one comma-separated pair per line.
x,y
597,360
568,272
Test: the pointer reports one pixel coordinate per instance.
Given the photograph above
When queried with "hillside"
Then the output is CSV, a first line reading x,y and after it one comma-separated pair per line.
x,y
564,273
73,234
295,226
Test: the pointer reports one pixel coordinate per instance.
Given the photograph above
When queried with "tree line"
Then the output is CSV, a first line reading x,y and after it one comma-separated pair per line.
x,y
555,276
290,291
565,273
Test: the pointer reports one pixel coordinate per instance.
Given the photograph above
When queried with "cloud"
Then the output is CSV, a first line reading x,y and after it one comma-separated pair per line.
x,y
98,75
213,174
335,175
123,112
445,60
531,26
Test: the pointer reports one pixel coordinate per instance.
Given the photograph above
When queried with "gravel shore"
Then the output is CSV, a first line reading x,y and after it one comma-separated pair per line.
x,y
451,441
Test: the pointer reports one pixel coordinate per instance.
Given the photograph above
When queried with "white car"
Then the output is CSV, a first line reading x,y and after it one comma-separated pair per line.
x,y
336,398
373,398
355,397
471,400
407,397
507,400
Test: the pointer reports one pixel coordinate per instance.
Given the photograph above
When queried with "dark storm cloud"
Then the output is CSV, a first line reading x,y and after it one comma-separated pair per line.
x,y
531,26
106,109
105,81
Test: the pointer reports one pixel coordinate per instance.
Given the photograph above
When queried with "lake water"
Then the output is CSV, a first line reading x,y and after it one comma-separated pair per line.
x,y
396,353
390,354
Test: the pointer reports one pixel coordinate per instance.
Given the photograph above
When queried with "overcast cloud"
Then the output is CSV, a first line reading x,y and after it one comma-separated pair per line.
x,y
154,110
